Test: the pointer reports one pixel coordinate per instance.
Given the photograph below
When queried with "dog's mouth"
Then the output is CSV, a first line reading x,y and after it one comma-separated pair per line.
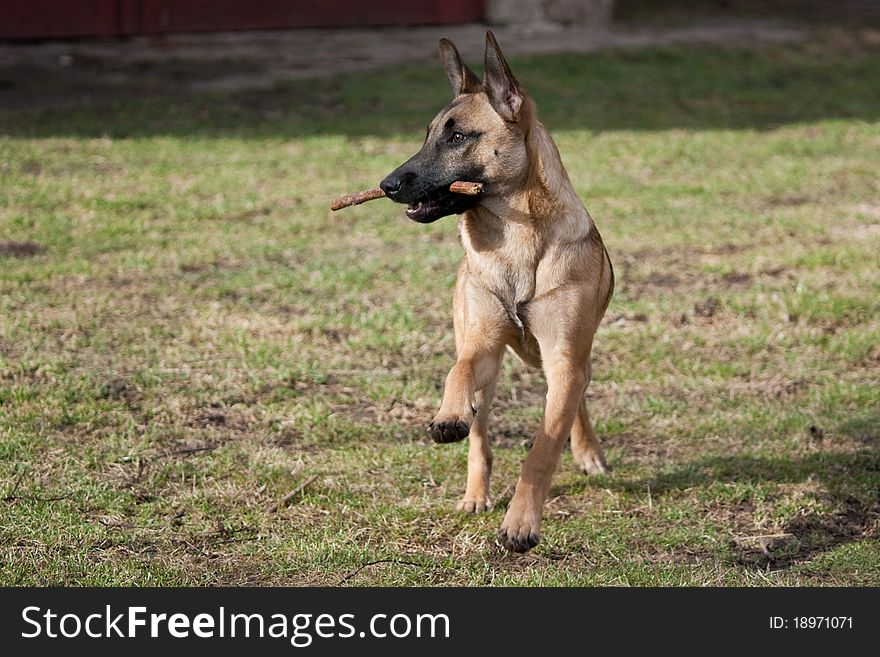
x,y
425,210
439,203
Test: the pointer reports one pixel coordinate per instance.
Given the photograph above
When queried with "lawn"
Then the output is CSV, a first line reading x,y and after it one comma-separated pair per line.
x,y
208,378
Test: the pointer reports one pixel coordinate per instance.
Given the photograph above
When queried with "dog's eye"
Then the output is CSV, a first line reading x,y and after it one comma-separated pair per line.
x,y
457,138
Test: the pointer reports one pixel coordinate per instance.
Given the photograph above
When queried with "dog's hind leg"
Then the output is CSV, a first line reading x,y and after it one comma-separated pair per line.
x,y
585,447
476,496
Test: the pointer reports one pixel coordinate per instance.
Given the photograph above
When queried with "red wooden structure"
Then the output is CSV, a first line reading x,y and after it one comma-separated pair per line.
x,y
38,19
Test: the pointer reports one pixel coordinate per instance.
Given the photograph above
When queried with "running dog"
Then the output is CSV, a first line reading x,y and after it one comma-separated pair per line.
x,y
536,278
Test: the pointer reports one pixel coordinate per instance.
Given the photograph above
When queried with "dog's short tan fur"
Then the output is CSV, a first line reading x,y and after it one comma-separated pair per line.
x,y
536,278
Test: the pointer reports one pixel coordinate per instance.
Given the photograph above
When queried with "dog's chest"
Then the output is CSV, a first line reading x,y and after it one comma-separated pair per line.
x,y
507,267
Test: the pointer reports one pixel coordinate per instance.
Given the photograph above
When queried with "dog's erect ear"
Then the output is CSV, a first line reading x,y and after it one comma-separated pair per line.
x,y
463,79
503,89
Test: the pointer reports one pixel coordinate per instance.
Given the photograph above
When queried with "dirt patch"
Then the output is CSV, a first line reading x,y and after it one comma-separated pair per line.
x,y
654,270
707,308
776,387
227,418
120,389
639,448
31,168
662,280
787,200
20,249
806,537
735,279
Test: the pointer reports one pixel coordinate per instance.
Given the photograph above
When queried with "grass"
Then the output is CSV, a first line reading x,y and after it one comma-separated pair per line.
x,y
187,334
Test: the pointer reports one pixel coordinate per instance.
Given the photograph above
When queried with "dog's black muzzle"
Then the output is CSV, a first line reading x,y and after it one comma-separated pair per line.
x,y
426,192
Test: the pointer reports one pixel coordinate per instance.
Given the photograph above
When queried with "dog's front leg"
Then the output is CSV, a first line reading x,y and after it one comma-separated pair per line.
x,y
474,370
465,412
482,331
566,382
479,464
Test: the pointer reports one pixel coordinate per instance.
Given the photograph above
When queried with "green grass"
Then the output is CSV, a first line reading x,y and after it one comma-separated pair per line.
x,y
199,335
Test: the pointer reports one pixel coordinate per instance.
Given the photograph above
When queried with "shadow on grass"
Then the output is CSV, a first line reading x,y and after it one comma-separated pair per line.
x,y
685,87
851,483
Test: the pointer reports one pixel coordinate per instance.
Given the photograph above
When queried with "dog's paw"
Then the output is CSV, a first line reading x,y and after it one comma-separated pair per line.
x,y
519,538
592,463
521,529
448,431
475,505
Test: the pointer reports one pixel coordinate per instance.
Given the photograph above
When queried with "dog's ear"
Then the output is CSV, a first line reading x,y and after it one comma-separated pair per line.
x,y
502,88
462,78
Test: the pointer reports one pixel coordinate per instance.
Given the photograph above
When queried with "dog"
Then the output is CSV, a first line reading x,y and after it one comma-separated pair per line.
x,y
536,278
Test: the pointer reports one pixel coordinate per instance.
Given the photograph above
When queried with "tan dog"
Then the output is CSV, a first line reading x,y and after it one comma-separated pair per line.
x,y
536,278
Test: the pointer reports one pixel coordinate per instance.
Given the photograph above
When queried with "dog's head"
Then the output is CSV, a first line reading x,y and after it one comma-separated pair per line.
x,y
478,137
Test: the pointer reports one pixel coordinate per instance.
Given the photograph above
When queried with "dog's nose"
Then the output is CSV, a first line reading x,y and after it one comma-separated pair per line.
x,y
394,182
391,186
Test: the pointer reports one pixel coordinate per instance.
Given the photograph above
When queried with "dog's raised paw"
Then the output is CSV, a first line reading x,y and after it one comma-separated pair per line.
x,y
448,431
475,505
521,540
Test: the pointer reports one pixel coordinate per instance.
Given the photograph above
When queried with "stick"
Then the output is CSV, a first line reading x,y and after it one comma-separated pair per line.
x,y
287,498
458,187
760,537
356,199
469,188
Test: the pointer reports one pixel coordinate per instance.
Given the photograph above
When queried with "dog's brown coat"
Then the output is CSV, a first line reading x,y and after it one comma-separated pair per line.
x,y
536,278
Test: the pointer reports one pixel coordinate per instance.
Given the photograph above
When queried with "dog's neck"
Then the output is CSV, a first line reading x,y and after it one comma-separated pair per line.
x,y
540,220
549,178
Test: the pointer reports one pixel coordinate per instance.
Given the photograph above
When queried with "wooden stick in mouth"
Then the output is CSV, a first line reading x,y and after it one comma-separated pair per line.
x,y
469,188
458,187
